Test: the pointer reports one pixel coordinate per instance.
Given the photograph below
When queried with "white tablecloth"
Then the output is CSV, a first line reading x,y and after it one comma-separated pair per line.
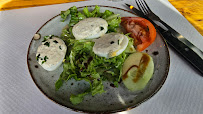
x,y
182,92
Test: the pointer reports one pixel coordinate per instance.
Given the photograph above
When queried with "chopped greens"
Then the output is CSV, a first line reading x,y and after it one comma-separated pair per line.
x,y
101,28
64,14
59,83
60,48
47,37
47,44
94,13
81,63
45,59
55,41
76,99
38,56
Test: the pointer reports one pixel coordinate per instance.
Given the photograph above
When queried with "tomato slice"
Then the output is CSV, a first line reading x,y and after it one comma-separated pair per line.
x,y
142,30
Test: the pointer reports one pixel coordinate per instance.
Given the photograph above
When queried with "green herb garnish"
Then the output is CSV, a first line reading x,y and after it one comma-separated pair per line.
x,y
101,28
47,37
45,59
47,44
60,48
38,56
55,41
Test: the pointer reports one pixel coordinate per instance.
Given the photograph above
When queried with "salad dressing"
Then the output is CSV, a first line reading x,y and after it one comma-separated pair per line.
x,y
125,75
141,68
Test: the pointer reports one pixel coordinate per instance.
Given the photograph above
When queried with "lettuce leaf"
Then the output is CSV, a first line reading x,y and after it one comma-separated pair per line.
x,y
106,14
76,16
113,21
64,14
97,87
130,48
94,13
81,63
76,99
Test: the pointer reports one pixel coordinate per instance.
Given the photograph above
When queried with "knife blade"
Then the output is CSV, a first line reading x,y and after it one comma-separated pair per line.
x,y
190,52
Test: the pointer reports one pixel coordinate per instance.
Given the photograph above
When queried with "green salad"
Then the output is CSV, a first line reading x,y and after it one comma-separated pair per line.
x,y
81,63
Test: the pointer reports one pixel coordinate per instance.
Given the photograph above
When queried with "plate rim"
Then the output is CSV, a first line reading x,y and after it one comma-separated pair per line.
x,y
113,111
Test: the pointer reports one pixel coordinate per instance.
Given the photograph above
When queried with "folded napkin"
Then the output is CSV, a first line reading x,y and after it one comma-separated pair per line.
x,y
16,4
192,10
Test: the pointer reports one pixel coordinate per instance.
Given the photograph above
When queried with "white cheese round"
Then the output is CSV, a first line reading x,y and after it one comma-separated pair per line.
x,y
110,45
51,53
90,28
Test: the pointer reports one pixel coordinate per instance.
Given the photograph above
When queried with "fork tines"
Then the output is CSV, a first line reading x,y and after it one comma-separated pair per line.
x,y
142,5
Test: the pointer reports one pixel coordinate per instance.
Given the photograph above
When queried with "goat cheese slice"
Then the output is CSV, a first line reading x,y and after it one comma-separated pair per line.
x,y
90,28
50,53
110,45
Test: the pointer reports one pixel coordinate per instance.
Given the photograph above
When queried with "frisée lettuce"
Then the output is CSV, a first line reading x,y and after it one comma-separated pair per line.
x,y
82,64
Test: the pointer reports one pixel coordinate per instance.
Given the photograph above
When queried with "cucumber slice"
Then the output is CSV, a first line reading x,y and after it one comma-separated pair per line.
x,y
137,70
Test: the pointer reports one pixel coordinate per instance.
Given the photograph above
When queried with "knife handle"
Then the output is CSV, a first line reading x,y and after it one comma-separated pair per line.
x,y
182,38
183,49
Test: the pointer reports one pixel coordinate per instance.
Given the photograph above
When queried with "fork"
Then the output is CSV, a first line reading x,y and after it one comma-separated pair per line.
x,y
143,7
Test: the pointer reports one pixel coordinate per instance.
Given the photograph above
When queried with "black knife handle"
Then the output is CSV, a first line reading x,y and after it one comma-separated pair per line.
x,y
183,49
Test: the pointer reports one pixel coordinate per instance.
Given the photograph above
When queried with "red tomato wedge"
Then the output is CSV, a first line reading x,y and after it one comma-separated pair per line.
x,y
142,30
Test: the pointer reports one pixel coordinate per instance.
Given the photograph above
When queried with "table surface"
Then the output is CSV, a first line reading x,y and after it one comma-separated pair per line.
x,y
182,92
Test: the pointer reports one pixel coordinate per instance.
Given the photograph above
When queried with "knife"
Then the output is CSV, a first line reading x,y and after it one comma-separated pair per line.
x,y
190,52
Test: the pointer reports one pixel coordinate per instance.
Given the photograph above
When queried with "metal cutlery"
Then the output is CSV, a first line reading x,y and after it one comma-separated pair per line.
x,y
190,52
